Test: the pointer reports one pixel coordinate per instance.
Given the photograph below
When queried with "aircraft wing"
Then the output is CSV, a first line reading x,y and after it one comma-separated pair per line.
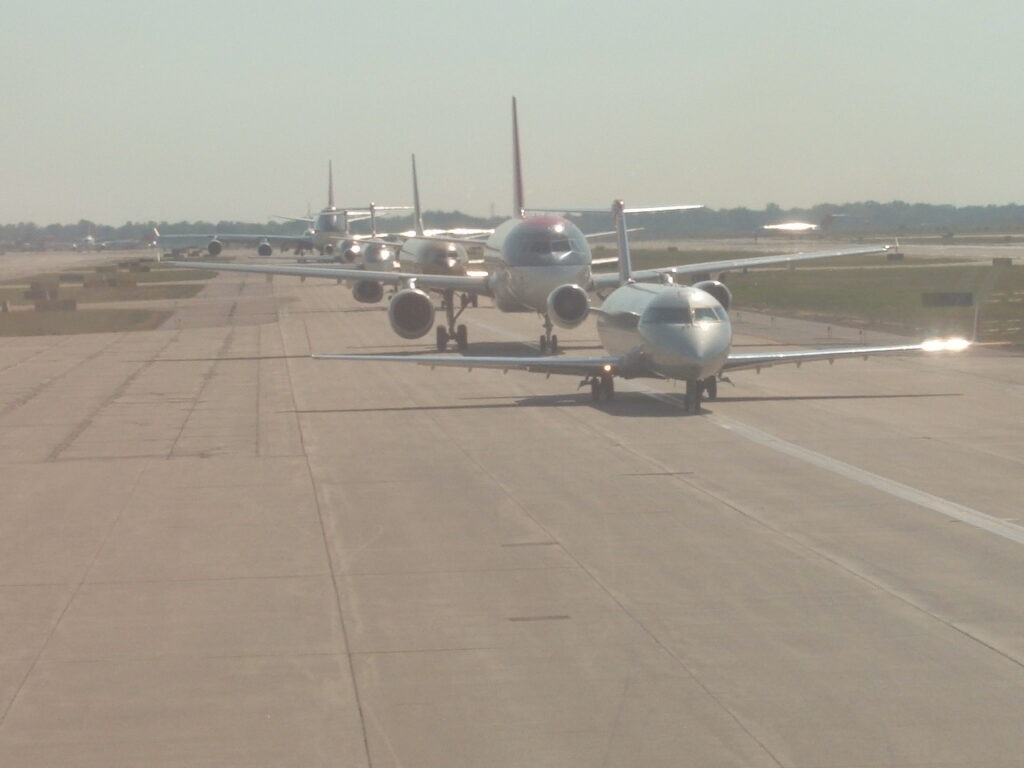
x,y
611,279
571,366
474,284
741,361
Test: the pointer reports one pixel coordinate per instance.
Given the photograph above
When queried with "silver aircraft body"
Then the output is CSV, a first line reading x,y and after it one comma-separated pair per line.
x,y
663,331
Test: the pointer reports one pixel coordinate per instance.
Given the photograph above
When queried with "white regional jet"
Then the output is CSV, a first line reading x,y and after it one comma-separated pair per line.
x,y
663,331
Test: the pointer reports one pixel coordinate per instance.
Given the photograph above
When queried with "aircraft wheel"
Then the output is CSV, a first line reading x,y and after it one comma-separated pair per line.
x,y
554,344
595,390
608,388
711,388
462,338
442,338
475,301
543,344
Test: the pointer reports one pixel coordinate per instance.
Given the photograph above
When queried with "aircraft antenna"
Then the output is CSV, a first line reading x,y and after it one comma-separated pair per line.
x,y
418,223
519,206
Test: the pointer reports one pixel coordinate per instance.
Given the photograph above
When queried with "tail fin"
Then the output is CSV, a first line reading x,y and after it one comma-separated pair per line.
x,y
519,206
152,237
373,219
330,184
625,259
417,213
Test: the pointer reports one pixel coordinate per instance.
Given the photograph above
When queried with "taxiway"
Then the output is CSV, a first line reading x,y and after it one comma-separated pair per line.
x,y
217,551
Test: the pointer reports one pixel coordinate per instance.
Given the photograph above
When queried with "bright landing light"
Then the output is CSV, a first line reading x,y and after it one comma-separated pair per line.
x,y
945,345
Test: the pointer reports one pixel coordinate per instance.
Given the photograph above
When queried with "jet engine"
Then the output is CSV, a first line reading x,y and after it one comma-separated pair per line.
x,y
411,313
568,306
214,247
368,291
716,289
264,249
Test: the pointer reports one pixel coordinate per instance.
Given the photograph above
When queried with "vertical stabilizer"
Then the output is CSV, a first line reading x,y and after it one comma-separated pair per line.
x,y
330,184
625,259
373,219
417,213
519,206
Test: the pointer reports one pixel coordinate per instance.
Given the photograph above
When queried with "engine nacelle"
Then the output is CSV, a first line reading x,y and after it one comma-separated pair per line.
x,y
718,290
411,313
368,291
264,249
568,305
214,247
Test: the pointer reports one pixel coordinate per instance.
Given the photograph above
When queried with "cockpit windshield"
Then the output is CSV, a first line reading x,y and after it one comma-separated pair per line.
x,y
671,315
557,245
681,314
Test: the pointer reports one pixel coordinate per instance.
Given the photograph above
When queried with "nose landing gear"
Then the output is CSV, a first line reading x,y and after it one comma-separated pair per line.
x,y
696,389
548,341
602,388
457,333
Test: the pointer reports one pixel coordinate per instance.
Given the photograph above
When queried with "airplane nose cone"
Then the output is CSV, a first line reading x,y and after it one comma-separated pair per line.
x,y
686,352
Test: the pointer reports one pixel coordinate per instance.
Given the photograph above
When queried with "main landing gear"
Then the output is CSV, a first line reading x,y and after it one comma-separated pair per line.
x,y
602,388
457,333
696,389
548,341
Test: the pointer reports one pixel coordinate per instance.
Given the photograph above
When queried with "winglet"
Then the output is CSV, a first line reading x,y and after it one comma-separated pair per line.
x,y
519,206
625,259
418,220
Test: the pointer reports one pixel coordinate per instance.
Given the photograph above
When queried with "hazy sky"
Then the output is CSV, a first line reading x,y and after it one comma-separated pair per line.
x,y
118,110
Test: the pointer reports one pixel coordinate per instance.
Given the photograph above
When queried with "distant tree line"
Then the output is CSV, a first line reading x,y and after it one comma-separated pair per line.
x,y
850,220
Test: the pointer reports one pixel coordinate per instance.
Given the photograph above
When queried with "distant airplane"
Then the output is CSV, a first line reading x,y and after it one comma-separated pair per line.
x,y
662,331
90,243
327,233
800,227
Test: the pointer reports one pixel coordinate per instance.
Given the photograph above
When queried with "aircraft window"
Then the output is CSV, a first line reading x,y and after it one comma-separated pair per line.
x,y
673,315
560,246
705,315
721,314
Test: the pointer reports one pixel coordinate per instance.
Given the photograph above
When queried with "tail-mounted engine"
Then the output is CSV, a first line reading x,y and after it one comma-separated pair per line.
x,y
568,306
411,313
368,291
718,290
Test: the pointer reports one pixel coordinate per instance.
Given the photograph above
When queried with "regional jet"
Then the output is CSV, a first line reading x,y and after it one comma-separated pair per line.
x,y
662,331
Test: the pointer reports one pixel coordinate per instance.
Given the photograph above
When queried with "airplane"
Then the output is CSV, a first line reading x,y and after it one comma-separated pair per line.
x,y
799,227
662,331
536,263
90,243
327,233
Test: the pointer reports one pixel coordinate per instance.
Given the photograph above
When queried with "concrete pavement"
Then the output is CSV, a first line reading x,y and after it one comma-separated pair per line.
x,y
216,551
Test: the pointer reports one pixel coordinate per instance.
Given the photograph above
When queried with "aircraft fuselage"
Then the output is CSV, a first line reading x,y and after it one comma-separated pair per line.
x,y
673,331
529,258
